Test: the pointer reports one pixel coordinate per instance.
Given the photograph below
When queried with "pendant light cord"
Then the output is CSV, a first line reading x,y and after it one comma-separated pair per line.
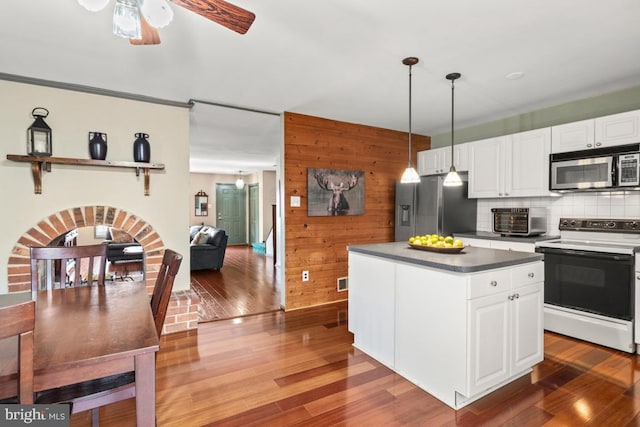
x,y
452,100
409,162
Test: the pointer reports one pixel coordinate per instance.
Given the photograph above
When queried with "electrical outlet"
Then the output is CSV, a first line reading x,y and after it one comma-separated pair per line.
x,y
305,276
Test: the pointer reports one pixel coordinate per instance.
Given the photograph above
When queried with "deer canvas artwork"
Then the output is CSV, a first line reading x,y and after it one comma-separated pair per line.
x,y
334,192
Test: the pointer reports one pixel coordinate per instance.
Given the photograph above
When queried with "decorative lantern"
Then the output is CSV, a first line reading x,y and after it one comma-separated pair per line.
x,y
39,135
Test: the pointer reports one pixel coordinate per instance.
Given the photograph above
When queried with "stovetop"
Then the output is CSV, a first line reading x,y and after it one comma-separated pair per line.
x,y
597,235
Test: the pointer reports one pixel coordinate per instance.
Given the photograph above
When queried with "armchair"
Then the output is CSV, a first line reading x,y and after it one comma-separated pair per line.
x,y
208,246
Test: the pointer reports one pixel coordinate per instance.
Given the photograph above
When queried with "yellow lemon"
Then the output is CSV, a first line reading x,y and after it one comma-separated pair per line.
x,y
412,239
458,243
448,239
441,238
417,242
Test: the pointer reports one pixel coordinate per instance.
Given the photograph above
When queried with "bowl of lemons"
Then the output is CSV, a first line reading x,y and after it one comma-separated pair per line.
x,y
436,243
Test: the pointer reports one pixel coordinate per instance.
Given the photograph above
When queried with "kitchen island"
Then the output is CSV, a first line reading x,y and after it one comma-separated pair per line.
x,y
457,325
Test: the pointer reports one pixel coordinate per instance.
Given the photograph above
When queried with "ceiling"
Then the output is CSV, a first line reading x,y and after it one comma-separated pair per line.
x,y
338,59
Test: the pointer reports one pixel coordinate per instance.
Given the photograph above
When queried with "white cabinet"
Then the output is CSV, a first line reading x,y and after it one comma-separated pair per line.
x,y
510,166
493,320
506,245
372,306
505,330
438,160
606,131
512,246
486,167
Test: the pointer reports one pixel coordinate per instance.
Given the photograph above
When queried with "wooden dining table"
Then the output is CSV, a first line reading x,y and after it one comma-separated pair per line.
x,y
88,332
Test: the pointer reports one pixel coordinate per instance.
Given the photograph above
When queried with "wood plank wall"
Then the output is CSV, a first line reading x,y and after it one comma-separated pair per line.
x,y
318,243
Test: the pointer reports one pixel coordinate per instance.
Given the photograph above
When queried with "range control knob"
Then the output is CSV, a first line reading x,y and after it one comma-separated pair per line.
x,y
564,222
610,225
573,223
634,225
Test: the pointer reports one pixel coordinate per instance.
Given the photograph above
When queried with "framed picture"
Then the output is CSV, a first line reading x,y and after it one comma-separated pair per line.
x,y
202,204
333,192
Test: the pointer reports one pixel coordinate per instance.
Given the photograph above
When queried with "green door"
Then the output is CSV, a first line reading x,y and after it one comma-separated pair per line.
x,y
231,212
254,212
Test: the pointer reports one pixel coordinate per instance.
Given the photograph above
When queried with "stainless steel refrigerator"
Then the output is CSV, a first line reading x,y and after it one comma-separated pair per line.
x,y
430,208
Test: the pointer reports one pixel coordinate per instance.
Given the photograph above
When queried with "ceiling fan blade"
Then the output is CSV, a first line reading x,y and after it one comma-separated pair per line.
x,y
149,34
226,14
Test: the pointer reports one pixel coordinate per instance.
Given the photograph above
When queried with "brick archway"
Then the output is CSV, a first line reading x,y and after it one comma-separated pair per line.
x,y
64,221
183,307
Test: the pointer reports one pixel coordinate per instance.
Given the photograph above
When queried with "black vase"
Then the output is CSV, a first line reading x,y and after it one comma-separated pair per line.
x,y
98,145
141,148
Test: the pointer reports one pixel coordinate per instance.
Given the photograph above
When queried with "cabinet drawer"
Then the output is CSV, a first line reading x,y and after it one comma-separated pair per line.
x,y
488,283
527,274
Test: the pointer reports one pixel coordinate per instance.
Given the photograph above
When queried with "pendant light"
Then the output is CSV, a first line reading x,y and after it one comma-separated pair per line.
x,y
410,176
452,179
240,181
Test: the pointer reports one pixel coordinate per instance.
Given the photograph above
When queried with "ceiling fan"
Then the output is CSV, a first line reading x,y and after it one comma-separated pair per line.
x,y
139,20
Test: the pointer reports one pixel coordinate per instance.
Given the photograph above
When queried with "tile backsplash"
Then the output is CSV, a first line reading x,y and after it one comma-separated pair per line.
x,y
612,205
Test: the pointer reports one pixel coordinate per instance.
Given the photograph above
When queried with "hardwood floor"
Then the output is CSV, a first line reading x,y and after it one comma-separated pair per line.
x,y
300,369
245,285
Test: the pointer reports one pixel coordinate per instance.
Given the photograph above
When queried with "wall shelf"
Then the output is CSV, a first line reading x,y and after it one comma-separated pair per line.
x,y
40,164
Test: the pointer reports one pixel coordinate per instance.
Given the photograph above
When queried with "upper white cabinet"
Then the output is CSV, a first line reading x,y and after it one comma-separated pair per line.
x,y
510,166
607,131
438,160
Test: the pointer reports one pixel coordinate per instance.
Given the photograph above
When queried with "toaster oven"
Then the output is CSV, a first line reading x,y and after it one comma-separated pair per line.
x,y
519,221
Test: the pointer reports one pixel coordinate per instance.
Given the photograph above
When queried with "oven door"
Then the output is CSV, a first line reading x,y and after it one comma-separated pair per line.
x,y
586,173
595,282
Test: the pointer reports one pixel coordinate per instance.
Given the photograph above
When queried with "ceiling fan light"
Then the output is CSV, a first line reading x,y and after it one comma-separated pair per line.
x,y
126,19
156,12
93,5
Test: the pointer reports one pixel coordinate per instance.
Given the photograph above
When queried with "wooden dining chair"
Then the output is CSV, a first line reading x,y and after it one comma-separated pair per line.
x,y
67,266
19,320
91,395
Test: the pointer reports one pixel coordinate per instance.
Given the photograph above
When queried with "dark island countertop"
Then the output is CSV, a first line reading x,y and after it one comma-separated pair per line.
x,y
494,236
470,260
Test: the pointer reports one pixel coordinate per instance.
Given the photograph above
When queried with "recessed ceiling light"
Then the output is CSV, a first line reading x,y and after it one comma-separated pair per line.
x,y
515,75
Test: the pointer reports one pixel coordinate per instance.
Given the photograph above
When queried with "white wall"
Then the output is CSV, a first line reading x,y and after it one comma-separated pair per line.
x,y
72,116
609,205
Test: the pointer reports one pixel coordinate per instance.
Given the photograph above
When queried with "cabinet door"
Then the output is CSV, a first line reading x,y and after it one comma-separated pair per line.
x,y
513,246
528,335
372,306
527,168
486,168
460,155
573,136
431,162
479,243
489,342
618,129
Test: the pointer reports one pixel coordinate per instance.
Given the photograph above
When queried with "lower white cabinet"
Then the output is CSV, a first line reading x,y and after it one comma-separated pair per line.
x,y
371,306
504,335
458,336
499,244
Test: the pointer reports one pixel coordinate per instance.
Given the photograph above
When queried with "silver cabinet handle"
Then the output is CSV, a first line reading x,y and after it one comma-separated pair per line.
x,y
510,297
531,275
506,194
516,295
598,144
493,283
589,145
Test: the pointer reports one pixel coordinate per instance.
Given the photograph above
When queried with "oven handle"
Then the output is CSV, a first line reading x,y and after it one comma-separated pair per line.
x,y
598,255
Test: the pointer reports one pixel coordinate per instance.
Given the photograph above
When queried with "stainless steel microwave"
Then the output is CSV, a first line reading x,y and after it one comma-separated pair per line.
x,y
607,168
